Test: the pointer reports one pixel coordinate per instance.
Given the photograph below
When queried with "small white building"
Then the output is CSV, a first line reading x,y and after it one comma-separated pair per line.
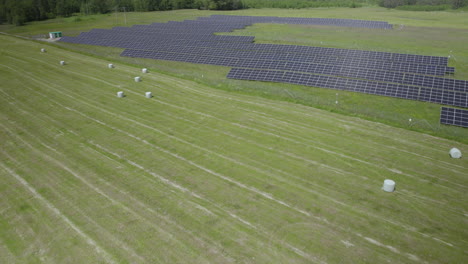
x,y
56,34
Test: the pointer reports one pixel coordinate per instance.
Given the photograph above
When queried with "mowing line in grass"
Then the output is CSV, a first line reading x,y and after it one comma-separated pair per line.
x,y
106,256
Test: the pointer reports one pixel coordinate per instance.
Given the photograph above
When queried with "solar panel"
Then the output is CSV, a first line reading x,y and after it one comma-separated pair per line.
x,y
375,75
409,76
364,86
454,117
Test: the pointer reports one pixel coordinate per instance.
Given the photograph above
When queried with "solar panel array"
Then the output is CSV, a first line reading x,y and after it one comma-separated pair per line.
x,y
407,76
454,116
440,96
302,21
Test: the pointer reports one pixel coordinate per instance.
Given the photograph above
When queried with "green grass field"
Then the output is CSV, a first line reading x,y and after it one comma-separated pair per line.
x,y
211,170
425,33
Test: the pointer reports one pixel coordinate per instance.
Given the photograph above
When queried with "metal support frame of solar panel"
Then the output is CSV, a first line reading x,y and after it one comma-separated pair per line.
x,y
342,71
364,86
316,59
454,116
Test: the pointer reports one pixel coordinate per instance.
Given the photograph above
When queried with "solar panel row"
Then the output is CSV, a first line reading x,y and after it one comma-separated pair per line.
x,y
243,43
392,74
446,97
297,57
454,116
112,36
308,21
335,70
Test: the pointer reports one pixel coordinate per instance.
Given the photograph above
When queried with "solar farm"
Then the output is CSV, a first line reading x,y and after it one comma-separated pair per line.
x,y
107,161
406,76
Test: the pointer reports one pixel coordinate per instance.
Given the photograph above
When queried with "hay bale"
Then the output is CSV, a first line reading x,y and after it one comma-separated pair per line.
x,y
144,70
148,94
120,94
455,153
110,66
62,63
388,186
137,79
43,50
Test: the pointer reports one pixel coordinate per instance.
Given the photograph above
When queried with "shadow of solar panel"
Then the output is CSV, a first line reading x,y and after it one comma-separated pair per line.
x,y
454,116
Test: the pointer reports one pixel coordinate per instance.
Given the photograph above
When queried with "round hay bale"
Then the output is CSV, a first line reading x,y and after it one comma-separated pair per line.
x,y
455,153
148,94
388,186
62,63
43,50
137,79
110,66
120,94
144,70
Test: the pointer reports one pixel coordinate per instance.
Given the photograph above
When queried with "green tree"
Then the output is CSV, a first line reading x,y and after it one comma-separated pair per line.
x,y
459,3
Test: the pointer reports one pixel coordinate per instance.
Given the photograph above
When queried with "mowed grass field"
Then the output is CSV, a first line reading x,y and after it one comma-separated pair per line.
x,y
202,175
424,33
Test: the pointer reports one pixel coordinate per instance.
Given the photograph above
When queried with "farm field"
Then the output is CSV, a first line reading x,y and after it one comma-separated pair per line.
x,y
203,175
424,33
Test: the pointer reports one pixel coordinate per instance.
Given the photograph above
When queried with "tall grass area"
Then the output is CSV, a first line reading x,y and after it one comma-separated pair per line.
x,y
424,33
306,4
424,7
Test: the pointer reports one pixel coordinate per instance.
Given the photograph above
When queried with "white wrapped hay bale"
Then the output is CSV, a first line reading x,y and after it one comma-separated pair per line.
x,y
110,66
43,50
62,63
120,94
144,70
148,94
137,79
388,186
455,153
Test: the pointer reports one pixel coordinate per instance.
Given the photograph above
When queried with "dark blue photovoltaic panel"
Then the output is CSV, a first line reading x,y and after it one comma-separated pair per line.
x,y
358,73
408,76
304,58
364,86
454,116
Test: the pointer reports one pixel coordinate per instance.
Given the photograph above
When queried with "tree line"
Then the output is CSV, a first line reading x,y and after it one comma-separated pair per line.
x,y
19,12
455,4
